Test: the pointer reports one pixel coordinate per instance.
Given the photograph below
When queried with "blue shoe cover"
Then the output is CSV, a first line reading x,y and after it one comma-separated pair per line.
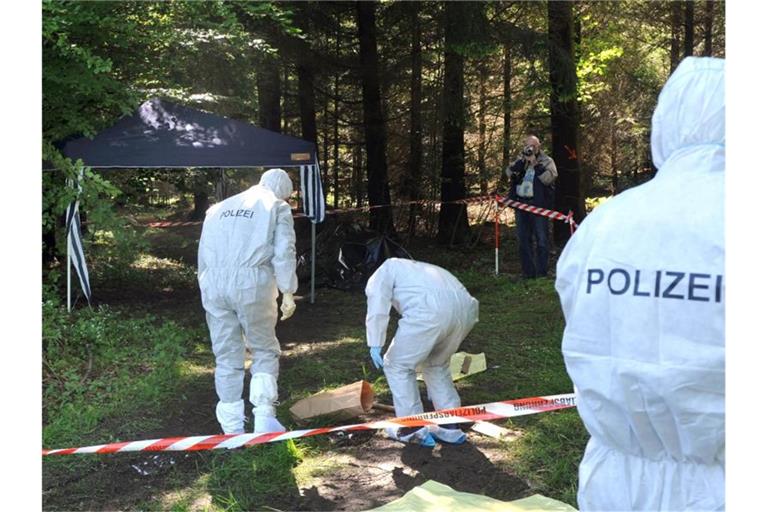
x,y
428,441
420,436
448,435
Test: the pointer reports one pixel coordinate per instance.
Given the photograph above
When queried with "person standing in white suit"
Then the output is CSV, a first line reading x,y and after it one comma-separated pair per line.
x,y
642,288
437,313
247,253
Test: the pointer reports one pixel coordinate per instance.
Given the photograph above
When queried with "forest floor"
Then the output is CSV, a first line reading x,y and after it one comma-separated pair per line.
x,y
323,346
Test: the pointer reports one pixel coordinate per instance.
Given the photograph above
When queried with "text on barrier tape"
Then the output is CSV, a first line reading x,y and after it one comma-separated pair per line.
x,y
544,212
483,412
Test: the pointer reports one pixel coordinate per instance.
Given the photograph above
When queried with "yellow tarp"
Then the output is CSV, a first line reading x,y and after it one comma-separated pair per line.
x,y
436,497
463,365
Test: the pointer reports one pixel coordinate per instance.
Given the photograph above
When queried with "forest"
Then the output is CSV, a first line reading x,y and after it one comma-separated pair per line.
x,y
416,109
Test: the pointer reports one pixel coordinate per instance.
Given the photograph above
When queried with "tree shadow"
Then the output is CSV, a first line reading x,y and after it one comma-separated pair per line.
x,y
462,467
261,478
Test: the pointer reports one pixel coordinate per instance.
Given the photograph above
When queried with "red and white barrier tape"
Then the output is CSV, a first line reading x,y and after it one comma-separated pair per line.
x,y
422,202
168,224
552,214
483,412
468,200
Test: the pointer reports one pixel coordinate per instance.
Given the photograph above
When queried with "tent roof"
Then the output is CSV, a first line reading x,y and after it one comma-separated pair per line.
x,y
162,134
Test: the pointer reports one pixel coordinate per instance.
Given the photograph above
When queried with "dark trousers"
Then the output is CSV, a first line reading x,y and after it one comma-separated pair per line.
x,y
533,237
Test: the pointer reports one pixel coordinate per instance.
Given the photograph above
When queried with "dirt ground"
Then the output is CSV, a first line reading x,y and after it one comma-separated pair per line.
x,y
364,470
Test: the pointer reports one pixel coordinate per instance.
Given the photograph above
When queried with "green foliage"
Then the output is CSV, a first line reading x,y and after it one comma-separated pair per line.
x,y
593,202
619,81
98,364
100,59
81,89
108,238
247,479
592,70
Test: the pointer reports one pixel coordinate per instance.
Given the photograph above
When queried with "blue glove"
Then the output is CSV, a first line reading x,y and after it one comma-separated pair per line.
x,y
378,361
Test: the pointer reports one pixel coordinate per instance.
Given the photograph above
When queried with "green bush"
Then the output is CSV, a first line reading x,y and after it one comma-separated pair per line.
x,y
97,363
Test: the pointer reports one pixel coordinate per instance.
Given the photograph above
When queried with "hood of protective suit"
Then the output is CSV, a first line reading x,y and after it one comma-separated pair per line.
x,y
278,182
691,108
642,286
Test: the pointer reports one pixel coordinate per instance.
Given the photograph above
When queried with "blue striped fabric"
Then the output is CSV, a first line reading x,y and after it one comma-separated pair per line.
x,y
75,246
313,199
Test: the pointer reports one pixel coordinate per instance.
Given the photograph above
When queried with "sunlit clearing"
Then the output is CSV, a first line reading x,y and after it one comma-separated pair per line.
x,y
101,236
149,262
190,369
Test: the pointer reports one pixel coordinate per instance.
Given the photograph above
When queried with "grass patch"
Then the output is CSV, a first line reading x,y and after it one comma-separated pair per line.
x,y
137,360
105,377
549,452
250,479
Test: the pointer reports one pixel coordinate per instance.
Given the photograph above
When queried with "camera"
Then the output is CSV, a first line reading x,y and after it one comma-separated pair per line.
x,y
528,151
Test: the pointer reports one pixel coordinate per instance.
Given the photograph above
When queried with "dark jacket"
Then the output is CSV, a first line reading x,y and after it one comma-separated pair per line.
x,y
545,173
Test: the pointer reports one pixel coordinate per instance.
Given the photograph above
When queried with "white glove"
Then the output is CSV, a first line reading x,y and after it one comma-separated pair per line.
x,y
287,306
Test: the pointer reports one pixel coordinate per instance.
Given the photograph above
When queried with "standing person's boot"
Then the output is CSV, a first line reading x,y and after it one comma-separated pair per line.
x,y
231,416
263,396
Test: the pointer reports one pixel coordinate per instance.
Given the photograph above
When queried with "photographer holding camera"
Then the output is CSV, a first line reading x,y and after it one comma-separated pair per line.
x,y
532,179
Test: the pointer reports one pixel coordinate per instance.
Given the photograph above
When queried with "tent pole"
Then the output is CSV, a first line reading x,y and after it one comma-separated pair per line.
x,y
69,263
69,276
497,237
312,285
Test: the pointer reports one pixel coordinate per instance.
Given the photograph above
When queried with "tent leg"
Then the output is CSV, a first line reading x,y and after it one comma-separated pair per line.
x,y
497,238
314,253
312,284
69,277
69,262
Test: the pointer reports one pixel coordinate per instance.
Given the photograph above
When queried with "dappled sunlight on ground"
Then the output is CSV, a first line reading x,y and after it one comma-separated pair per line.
x,y
380,470
149,262
190,369
194,497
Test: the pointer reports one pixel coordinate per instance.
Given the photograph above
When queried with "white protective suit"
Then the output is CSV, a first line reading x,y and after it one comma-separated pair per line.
x,y
246,254
437,313
641,285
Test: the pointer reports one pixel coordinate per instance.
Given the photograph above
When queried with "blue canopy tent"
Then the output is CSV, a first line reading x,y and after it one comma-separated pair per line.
x,y
165,135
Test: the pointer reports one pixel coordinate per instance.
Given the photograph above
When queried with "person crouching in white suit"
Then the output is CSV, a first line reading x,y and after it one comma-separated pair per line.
x,y
642,288
247,253
437,313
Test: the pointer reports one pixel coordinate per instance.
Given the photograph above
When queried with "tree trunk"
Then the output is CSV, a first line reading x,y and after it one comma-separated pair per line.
x,y
564,109
305,72
453,224
373,120
482,108
326,143
306,76
49,246
268,85
709,6
201,205
336,191
357,174
507,104
614,162
415,154
688,51
336,125
286,101
675,22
